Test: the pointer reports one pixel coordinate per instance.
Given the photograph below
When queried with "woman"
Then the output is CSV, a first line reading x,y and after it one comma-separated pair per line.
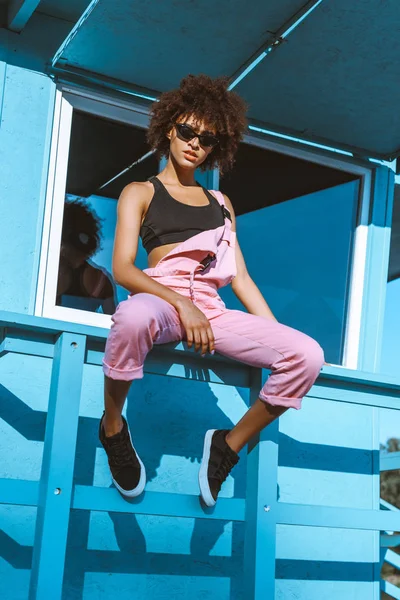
x,y
189,234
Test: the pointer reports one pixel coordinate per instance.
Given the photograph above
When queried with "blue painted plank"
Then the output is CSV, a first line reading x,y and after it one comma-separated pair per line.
x,y
19,492
261,501
392,558
389,461
359,376
19,13
390,589
387,505
29,347
57,469
346,518
44,325
186,364
157,503
371,396
389,541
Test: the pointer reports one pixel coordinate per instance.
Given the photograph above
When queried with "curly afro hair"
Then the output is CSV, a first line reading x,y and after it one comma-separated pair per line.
x,y
209,101
81,227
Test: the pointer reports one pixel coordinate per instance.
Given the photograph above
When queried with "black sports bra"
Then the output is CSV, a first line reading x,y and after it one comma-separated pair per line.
x,y
169,221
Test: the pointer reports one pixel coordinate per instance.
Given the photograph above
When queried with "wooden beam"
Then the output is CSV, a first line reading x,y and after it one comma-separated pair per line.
x,y
19,13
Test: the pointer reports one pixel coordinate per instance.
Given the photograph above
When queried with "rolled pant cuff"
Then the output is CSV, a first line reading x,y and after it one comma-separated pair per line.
x,y
281,401
122,374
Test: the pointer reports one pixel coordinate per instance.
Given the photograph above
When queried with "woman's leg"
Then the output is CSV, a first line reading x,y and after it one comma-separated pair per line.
x,y
115,393
256,418
295,360
138,323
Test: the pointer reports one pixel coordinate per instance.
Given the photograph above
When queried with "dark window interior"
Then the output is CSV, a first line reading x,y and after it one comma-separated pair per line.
x,y
262,178
100,149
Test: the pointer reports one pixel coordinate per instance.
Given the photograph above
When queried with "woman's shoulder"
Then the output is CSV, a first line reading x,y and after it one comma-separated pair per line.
x,y
228,205
223,197
138,192
137,188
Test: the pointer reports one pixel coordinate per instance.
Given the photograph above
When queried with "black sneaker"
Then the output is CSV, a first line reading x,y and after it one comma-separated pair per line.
x,y
216,464
127,470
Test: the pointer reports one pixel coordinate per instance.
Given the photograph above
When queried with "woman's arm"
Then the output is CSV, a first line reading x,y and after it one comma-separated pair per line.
x,y
243,285
247,291
130,210
132,206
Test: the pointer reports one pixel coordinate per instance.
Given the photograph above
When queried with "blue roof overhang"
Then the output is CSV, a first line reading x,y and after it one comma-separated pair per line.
x,y
323,71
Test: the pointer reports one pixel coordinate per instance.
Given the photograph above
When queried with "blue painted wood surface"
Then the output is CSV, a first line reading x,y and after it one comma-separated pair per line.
x,y
19,13
261,504
377,267
26,106
55,490
259,508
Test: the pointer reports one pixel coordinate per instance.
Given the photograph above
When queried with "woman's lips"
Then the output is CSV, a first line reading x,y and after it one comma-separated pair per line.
x,y
189,156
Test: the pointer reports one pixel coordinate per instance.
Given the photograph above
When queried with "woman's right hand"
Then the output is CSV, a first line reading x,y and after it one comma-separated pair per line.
x,y
197,326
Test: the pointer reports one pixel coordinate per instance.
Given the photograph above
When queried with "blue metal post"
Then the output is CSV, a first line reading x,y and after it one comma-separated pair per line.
x,y
378,249
261,503
57,468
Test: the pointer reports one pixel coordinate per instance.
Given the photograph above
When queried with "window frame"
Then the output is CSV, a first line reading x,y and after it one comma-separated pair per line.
x,y
358,260
69,98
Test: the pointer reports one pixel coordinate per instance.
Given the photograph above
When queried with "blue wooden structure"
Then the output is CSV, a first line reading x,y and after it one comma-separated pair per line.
x,y
70,347
303,516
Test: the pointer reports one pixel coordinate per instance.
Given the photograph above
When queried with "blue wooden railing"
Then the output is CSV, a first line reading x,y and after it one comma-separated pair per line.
x,y
71,346
389,462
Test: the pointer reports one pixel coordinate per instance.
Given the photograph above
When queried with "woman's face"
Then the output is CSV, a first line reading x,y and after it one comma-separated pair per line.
x,y
189,154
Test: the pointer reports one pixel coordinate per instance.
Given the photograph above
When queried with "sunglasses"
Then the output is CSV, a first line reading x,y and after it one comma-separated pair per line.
x,y
208,140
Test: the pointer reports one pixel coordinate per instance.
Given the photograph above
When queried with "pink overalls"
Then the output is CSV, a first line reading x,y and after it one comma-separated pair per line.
x,y
196,269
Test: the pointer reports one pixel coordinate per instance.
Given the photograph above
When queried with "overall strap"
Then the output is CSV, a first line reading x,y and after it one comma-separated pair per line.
x,y
220,197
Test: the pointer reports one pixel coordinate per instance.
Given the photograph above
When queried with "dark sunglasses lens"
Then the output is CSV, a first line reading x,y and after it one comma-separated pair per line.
x,y
185,131
208,140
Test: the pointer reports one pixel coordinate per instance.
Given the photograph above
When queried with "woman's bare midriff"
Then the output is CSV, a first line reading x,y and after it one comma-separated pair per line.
x,y
158,253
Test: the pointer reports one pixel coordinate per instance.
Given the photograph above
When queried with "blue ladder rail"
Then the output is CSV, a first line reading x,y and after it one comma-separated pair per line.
x,y
71,346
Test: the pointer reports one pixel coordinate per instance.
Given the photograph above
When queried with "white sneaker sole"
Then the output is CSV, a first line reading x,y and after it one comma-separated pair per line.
x,y
205,491
142,481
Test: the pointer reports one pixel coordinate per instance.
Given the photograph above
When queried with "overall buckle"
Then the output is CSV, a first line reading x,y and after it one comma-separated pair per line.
x,y
206,262
226,213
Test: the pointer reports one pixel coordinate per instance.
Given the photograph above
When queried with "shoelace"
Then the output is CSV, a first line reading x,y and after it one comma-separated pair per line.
x,y
223,470
121,453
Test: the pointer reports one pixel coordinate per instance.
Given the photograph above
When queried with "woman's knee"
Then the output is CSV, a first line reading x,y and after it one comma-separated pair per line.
x,y
310,356
136,314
